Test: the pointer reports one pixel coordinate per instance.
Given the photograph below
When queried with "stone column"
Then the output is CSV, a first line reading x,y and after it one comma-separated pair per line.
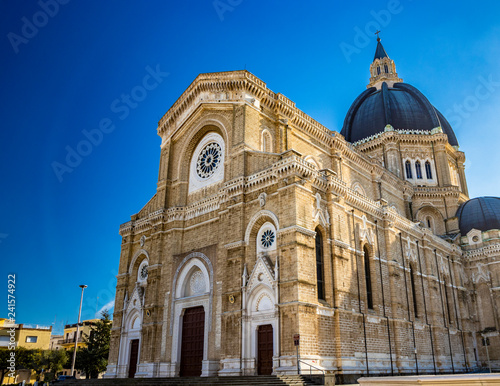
x,y
442,166
393,158
461,174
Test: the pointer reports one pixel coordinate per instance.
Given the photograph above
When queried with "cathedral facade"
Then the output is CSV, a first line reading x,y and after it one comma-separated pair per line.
x,y
266,224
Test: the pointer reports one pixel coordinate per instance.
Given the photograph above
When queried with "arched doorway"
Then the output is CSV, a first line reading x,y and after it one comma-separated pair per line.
x,y
191,311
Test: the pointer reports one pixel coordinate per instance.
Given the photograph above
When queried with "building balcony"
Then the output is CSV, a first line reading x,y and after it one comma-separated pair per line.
x,y
69,340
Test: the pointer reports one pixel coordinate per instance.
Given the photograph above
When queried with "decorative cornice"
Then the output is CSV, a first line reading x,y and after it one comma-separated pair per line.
x,y
236,244
296,229
436,192
488,251
235,81
406,136
290,166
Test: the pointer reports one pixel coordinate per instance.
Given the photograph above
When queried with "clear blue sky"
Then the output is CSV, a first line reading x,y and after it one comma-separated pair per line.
x,y
65,70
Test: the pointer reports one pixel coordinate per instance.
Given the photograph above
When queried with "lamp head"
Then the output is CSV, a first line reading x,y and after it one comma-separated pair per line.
x,y
82,286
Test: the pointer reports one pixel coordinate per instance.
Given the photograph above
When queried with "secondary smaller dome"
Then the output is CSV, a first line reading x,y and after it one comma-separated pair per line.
x,y
481,213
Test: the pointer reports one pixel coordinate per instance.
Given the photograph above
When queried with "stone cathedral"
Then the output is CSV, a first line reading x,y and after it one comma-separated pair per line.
x,y
266,224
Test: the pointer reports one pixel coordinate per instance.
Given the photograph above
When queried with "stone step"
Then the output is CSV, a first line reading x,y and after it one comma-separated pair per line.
x,y
292,380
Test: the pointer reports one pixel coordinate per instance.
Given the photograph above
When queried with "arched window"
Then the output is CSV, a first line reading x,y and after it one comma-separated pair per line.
x,y
266,142
207,162
409,174
378,70
319,265
386,68
413,293
428,170
368,279
418,170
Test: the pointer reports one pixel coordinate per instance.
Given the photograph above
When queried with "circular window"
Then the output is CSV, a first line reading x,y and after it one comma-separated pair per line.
x,y
208,160
143,274
267,238
475,239
197,283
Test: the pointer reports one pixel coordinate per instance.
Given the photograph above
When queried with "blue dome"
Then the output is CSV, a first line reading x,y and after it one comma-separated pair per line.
x,y
401,106
481,213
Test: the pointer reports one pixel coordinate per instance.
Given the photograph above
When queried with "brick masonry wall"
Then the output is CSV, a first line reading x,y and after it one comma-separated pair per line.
x,y
331,330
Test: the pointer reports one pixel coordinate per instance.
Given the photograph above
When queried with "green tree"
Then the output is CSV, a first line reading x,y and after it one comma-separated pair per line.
x,y
4,355
93,359
37,362
24,359
55,361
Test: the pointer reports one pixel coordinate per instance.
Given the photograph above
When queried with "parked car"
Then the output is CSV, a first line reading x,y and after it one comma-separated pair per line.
x,y
62,378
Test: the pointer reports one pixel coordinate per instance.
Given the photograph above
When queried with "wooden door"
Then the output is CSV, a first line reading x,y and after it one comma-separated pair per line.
x,y
134,356
193,335
265,350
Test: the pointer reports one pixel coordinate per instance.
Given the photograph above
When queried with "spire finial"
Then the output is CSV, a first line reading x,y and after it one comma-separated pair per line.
x,y
382,68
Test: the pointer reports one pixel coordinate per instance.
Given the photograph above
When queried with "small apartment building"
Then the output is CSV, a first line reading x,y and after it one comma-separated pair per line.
x,y
68,339
5,326
26,335
31,337
56,342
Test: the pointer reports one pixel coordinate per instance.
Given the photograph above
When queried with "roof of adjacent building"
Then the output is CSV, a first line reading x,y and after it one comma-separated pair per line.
x,y
401,106
481,213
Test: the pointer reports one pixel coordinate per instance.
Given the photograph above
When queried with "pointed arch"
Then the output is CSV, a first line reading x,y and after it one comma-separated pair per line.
x,y
138,254
206,165
261,299
131,331
186,296
429,215
428,170
357,187
418,170
409,174
313,161
262,216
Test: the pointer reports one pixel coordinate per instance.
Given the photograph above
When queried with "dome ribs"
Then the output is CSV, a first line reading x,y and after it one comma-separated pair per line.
x,y
386,104
347,128
482,213
401,106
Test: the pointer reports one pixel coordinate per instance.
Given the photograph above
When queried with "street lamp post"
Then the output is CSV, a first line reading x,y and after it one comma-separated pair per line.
x,y
82,286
